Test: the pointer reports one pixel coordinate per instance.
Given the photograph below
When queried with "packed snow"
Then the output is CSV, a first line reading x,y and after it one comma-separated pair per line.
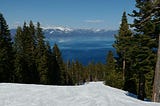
x,y
91,94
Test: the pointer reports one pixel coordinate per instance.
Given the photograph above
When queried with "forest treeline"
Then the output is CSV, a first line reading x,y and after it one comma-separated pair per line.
x,y
28,58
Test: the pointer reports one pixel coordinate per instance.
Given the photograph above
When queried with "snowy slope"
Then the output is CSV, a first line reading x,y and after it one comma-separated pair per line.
x,y
92,94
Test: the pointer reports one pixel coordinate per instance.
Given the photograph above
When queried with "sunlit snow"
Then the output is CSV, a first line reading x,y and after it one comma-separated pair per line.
x,y
92,94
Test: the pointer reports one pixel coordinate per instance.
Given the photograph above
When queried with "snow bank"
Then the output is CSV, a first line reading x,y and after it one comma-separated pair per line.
x,y
92,94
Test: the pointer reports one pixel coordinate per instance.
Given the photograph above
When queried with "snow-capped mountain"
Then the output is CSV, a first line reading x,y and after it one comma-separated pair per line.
x,y
63,31
57,28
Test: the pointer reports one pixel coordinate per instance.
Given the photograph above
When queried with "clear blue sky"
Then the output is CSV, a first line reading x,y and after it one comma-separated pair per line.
x,y
103,14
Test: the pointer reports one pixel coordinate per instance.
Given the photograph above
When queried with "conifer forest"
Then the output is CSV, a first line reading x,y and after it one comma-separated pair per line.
x,y
29,58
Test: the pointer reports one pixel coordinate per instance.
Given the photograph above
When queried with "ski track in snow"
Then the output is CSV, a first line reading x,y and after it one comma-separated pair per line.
x,y
92,94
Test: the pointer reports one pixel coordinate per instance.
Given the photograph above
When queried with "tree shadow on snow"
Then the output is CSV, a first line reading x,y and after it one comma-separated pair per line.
x,y
132,95
136,97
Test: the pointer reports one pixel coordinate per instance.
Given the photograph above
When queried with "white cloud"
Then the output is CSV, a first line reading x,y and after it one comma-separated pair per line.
x,y
94,21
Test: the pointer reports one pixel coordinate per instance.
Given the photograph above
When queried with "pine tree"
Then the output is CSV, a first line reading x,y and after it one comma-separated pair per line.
x,y
122,43
101,71
123,48
59,74
51,64
73,71
110,68
112,78
69,79
110,61
142,61
6,52
41,56
91,70
19,62
78,72
27,53
146,20
24,45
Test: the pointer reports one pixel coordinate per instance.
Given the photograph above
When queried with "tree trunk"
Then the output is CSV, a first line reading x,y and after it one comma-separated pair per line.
x,y
156,85
123,68
141,90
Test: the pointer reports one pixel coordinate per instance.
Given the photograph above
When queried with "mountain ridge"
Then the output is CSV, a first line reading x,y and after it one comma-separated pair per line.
x,y
57,30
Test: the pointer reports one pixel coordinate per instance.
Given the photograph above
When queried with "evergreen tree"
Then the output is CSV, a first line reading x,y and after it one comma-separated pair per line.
x,y
110,61
59,75
110,68
112,78
122,44
32,31
142,61
19,62
91,71
101,71
6,52
123,48
41,56
78,72
25,67
31,46
144,23
51,65
27,53
73,72
69,79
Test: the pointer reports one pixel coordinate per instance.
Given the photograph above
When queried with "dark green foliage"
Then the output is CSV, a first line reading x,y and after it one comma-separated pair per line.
x,y
41,54
59,74
112,78
51,65
69,76
19,57
144,63
145,19
136,55
24,45
110,61
76,72
35,62
79,73
100,71
123,45
6,52
131,86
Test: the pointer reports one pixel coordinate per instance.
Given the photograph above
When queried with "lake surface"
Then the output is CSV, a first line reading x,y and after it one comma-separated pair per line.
x,y
84,49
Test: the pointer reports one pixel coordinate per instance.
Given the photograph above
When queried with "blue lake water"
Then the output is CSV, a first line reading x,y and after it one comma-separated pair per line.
x,y
85,51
